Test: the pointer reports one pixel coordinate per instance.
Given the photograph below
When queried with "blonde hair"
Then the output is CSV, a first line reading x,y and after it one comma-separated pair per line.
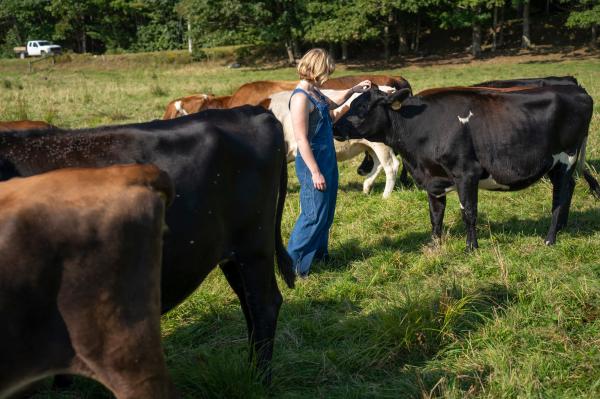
x,y
316,66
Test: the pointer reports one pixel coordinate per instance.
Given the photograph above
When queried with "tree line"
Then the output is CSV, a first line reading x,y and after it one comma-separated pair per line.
x,y
347,27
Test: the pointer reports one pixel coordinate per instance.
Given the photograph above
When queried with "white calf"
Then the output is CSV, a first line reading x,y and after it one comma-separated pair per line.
x,y
383,156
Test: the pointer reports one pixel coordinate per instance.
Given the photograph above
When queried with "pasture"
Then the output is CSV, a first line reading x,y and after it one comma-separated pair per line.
x,y
390,316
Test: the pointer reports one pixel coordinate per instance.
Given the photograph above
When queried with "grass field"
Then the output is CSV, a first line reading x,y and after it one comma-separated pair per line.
x,y
390,316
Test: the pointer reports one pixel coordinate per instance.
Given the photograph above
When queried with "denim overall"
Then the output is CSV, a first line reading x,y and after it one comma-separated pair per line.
x,y
310,235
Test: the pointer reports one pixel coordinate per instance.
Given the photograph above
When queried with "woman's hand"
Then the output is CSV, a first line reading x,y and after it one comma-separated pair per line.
x,y
319,181
362,87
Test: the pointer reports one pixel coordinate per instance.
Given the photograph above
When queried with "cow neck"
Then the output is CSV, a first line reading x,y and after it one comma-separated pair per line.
x,y
397,130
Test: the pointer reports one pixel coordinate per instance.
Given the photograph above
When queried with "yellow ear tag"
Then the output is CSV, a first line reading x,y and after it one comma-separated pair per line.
x,y
396,105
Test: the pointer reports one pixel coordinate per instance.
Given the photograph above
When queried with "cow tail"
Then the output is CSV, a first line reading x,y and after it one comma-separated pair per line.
x,y
284,261
581,157
592,182
587,175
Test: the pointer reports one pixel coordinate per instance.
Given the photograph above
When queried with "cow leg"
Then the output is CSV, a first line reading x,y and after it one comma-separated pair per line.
x,y
390,166
264,300
404,180
368,183
437,206
124,351
366,165
135,369
231,270
467,188
563,185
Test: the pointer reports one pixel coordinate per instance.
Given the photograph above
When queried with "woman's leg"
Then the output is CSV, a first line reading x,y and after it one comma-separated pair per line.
x,y
307,233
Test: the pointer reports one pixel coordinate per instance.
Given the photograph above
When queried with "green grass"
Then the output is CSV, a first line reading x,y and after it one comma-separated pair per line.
x,y
391,316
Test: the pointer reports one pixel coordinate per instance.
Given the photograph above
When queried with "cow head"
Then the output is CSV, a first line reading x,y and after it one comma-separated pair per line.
x,y
368,117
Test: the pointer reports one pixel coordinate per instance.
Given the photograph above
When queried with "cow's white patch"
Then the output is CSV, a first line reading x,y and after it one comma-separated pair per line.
x,y
466,119
491,184
387,89
485,184
179,108
461,205
446,191
565,159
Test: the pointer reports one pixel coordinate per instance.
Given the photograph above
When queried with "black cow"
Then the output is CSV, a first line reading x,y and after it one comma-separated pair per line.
x,y
536,82
230,176
367,164
463,138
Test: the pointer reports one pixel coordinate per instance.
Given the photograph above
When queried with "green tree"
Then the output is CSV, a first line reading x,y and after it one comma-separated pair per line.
x,y
22,20
586,16
470,13
338,21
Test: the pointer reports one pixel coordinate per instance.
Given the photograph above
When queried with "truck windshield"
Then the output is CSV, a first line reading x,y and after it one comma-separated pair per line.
x,y
44,43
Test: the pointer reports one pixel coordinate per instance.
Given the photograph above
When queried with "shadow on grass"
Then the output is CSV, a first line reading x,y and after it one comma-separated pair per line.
x,y
321,346
580,224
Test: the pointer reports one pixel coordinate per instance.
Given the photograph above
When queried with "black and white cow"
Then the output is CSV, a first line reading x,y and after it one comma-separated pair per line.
x,y
230,176
368,163
537,82
465,138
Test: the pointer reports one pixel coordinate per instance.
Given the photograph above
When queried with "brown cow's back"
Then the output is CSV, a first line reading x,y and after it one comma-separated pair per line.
x,y
24,125
254,92
346,82
195,103
71,184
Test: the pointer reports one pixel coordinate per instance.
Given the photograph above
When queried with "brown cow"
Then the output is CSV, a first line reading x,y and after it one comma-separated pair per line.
x,y
345,82
195,103
80,256
24,125
257,93
254,92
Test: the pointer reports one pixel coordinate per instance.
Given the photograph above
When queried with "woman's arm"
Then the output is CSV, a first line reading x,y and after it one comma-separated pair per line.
x,y
340,97
299,108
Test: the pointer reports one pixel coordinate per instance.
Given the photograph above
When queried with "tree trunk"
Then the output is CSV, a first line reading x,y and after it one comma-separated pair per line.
x,y
296,48
417,33
189,35
476,46
332,49
290,52
402,40
344,51
594,34
501,27
83,42
386,43
547,7
525,40
495,29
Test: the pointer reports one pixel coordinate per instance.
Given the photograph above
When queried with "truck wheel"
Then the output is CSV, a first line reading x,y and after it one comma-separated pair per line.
x,y
42,53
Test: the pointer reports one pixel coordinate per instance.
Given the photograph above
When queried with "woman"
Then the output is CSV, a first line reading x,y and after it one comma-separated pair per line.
x,y
316,166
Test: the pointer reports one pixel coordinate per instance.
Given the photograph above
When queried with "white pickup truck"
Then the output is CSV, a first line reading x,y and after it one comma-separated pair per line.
x,y
37,47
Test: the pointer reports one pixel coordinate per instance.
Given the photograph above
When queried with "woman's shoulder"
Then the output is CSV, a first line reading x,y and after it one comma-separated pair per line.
x,y
302,96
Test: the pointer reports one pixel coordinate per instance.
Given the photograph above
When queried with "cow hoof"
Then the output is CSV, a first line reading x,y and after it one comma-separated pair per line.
x,y
471,248
550,242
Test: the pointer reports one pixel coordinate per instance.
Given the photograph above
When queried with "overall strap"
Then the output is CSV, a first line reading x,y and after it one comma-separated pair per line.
x,y
299,90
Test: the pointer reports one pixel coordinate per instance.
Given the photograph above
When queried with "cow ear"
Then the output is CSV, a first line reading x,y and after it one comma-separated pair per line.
x,y
395,99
